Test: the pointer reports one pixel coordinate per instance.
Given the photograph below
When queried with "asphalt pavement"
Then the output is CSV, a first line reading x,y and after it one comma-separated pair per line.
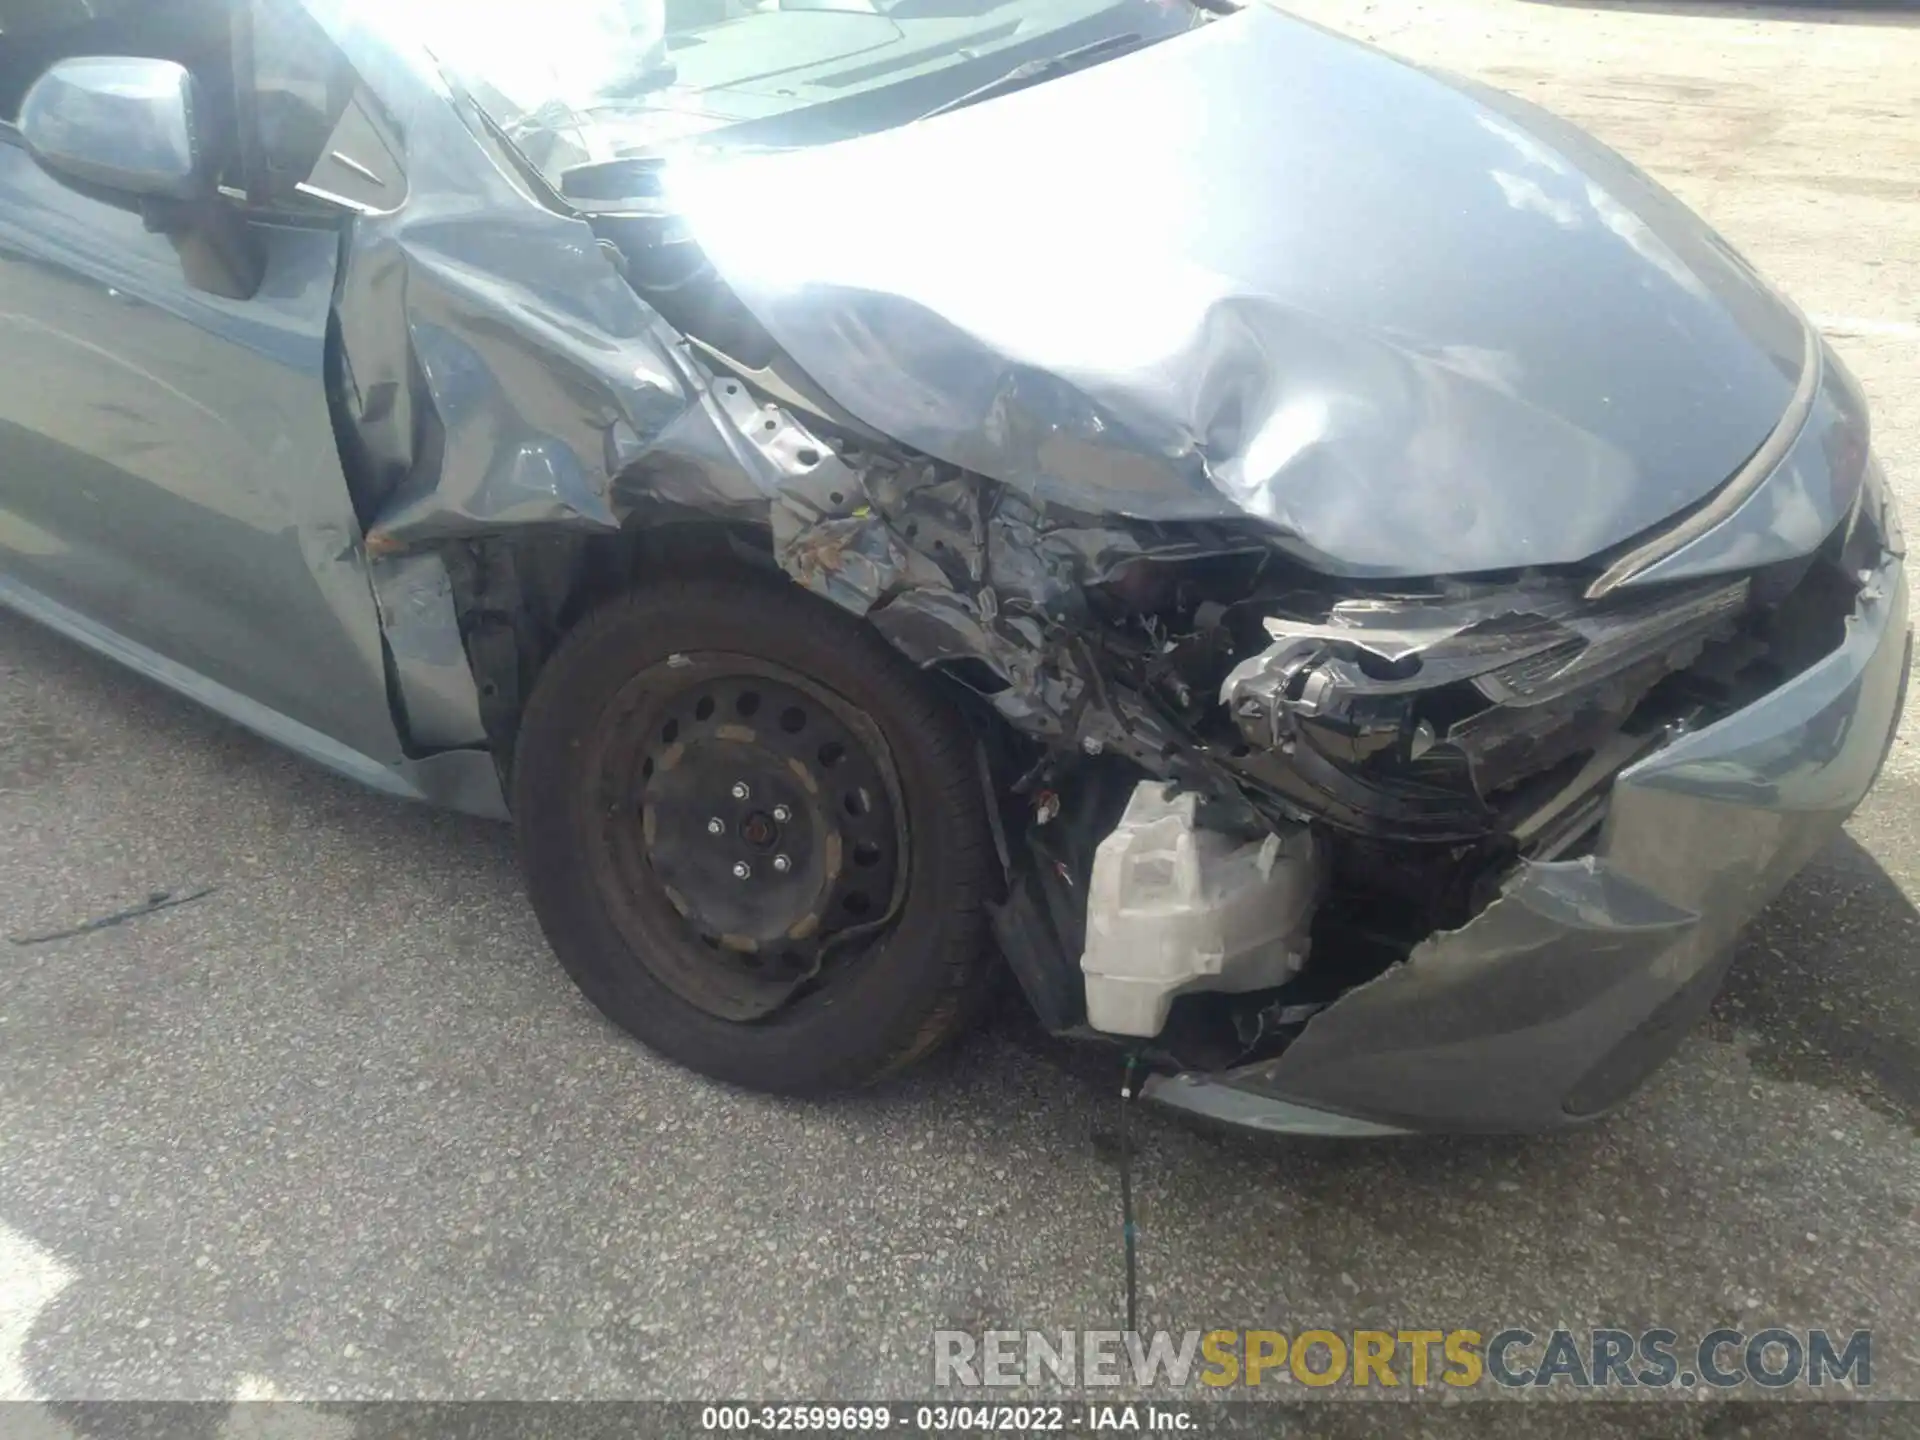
x,y
340,1129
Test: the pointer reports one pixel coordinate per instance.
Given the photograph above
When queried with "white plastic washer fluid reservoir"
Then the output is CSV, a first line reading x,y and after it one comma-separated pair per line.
x,y
1171,908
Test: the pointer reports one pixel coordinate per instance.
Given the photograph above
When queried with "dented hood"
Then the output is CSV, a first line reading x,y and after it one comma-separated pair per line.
x,y
1418,326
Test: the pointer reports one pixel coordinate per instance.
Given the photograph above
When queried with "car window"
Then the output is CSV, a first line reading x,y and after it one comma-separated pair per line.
x,y
578,84
316,135
301,87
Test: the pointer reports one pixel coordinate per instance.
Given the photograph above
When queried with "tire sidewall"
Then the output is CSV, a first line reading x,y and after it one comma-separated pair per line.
x,y
874,1015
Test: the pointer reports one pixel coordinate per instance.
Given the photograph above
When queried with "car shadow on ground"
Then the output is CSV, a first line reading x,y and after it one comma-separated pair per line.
x,y
1821,990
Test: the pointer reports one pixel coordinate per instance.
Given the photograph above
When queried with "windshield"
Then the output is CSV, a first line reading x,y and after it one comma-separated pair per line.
x,y
580,83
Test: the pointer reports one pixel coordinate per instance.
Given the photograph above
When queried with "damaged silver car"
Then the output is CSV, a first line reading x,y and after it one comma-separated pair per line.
x,y
1333,579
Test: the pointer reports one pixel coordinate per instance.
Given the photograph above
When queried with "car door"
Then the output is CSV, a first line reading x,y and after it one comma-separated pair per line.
x,y
169,477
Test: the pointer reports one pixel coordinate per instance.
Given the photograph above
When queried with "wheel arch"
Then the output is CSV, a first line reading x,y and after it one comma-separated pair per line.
x,y
517,595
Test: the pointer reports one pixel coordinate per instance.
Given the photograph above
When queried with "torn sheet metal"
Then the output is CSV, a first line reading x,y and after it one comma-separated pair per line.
x,y
975,580
439,705
499,372
1252,296
495,368
1554,1001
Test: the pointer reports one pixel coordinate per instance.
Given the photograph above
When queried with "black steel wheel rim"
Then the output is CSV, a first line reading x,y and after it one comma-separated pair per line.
x,y
752,838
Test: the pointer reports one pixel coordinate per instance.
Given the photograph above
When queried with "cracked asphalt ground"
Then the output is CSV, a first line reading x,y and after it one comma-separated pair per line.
x,y
341,1129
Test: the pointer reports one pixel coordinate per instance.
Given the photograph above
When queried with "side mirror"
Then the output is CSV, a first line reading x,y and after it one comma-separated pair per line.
x,y
122,128
119,124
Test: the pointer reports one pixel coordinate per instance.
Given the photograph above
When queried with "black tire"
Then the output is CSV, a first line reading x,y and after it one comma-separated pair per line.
x,y
905,993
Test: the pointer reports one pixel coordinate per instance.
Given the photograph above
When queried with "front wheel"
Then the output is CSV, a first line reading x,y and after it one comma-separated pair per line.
x,y
754,835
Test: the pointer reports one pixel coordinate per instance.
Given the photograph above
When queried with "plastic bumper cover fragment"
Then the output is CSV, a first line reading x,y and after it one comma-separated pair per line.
x,y
1558,998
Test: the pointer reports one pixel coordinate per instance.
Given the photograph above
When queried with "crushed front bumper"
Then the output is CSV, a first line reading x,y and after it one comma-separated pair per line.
x,y
1554,1002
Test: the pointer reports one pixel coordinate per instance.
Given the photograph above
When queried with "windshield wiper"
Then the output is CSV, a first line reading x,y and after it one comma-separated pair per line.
x,y
1032,72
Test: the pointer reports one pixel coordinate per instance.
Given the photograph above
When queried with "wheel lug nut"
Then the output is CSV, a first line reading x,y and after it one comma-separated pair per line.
x,y
782,814
742,870
716,826
781,864
740,791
